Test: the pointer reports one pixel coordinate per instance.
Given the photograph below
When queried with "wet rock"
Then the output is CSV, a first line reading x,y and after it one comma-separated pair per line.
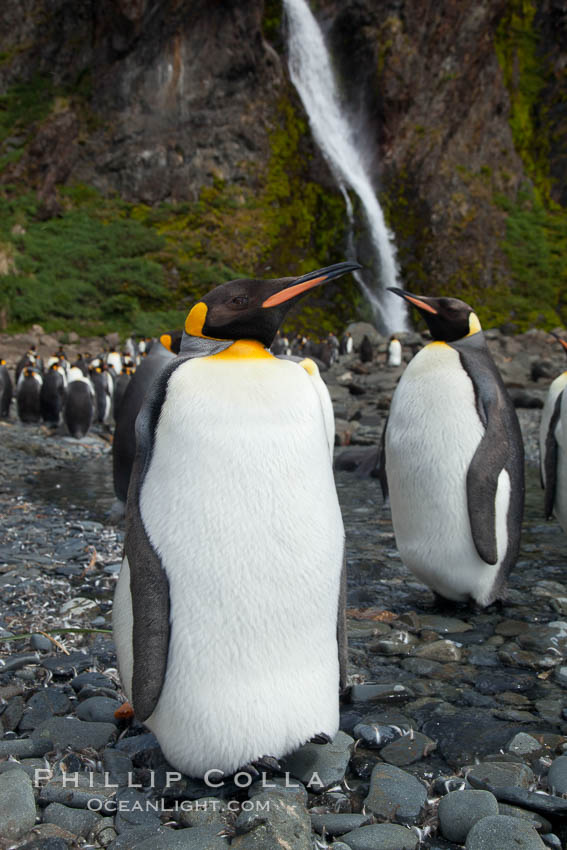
x,y
460,810
12,714
97,680
371,692
335,824
133,811
102,832
117,764
408,749
17,661
76,821
381,836
17,805
67,665
197,838
25,747
41,643
523,744
376,736
537,821
443,625
208,811
503,832
138,744
77,734
321,766
395,795
79,791
463,736
284,786
438,650
503,773
498,682
43,705
283,824
98,710
557,776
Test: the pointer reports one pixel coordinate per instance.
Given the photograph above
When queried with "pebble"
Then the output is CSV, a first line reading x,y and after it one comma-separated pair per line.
x,y
334,824
197,838
504,833
76,821
408,749
41,643
98,710
320,766
557,776
74,733
460,810
132,811
523,744
43,705
17,805
283,824
382,836
502,773
395,795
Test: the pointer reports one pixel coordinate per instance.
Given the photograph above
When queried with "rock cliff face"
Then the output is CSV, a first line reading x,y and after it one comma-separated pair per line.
x,y
462,107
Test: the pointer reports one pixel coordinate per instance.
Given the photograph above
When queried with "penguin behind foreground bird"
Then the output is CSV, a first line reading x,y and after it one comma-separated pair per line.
x,y
124,442
229,609
52,395
28,389
553,448
80,403
454,460
6,389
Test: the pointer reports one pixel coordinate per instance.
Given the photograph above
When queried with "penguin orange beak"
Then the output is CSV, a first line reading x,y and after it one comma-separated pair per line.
x,y
558,338
418,301
309,281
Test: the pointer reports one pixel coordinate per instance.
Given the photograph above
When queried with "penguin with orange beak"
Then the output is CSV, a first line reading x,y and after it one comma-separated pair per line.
x,y
229,609
453,460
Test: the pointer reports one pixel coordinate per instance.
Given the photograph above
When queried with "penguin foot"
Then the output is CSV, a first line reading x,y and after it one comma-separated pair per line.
x,y
259,765
321,738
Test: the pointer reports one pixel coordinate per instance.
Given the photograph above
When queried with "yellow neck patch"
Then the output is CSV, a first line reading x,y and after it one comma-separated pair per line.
x,y
244,348
474,324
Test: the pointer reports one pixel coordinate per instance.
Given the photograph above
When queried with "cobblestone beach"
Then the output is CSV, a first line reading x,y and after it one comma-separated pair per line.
x,y
452,732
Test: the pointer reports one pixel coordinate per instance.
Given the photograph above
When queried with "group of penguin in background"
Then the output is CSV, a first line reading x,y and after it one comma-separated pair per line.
x,y
223,566
81,393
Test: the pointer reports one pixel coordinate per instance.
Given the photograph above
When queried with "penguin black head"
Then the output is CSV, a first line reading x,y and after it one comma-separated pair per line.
x,y
172,341
254,309
448,319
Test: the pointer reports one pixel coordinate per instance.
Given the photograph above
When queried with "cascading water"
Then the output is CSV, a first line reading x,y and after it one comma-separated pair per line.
x,y
312,75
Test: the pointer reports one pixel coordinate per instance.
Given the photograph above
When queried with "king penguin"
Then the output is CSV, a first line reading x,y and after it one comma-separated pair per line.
x,y
454,460
229,609
553,448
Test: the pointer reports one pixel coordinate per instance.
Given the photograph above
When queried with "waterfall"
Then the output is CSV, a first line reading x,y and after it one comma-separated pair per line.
x,y
312,75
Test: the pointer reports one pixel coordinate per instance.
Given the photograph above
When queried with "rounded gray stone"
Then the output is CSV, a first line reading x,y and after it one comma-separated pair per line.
x,y
194,838
381,836
460,810
77,821
77,734
503,773
98,710
504,833
319,766
17,805
523,744
395,795
557,776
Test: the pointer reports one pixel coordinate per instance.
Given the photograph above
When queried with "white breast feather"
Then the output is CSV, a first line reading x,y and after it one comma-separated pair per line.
x,y
432,435
239,501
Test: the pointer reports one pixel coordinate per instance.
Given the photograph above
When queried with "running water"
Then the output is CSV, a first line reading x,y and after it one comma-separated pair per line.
x,y
312,75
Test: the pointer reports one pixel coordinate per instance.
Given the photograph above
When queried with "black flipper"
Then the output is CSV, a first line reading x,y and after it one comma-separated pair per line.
x,y
380,470
550,459
149,586
342,639
501,447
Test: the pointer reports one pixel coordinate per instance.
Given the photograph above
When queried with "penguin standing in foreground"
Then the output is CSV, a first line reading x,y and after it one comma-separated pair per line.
x,y
229,609
454,460
6,390
80,403
553,448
